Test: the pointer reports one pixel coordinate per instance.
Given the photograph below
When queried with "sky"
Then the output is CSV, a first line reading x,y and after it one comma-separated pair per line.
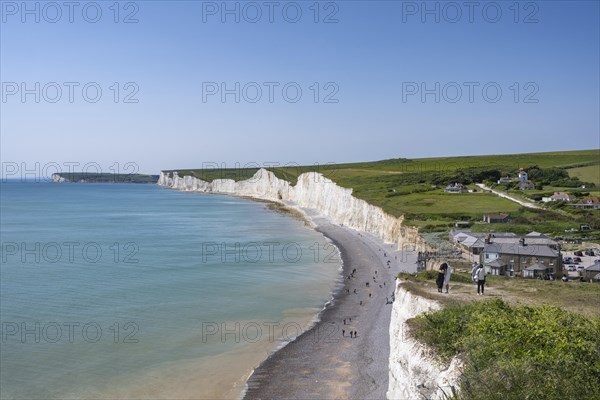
x,y
140,86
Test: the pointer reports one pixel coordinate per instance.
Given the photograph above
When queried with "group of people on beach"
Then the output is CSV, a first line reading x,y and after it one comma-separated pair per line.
x,y
351,276
352,333
478,275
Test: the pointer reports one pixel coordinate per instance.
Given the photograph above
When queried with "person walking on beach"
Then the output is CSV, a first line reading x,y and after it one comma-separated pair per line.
x,y
447,277
441,277
480,279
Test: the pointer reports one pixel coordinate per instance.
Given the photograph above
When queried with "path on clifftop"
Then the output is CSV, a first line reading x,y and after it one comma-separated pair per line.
x,y
524,203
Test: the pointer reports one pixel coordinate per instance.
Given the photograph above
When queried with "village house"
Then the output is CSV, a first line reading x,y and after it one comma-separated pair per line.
x,y
526,185
456,188
535,238
472,242
589,202
467,241
559,196
527,256
496,218
506,179
590,273
537,270
523,176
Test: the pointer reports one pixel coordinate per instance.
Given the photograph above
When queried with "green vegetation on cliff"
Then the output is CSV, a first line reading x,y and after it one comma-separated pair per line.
x,y
516,352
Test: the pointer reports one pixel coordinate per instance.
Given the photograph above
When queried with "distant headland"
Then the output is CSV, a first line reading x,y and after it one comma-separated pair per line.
x,y
86,177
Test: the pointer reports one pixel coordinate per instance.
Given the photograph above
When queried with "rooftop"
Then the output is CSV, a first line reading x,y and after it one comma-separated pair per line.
x,y
516,248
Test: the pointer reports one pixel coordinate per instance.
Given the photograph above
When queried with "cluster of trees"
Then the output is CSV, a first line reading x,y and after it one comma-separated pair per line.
x,y
555,177
466,176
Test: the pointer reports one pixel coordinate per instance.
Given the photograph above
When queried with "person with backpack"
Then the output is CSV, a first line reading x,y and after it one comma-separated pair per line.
x,y
474,272
441,277
480,274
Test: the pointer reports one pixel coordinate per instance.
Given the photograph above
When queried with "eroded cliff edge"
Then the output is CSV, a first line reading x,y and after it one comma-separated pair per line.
x,y
415,372
312,190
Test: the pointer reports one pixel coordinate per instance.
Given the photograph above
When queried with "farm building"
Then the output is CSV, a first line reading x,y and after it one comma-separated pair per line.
x,y
456,188
496,218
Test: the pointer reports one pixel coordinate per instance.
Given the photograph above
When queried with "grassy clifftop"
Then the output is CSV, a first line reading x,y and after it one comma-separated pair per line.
x,y
388,171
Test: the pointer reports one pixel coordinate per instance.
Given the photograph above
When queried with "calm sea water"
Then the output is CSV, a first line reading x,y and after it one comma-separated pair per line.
x,y
136,291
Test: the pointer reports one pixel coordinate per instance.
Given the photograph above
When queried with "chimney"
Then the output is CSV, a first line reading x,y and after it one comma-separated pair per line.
x,y
488,239
522,241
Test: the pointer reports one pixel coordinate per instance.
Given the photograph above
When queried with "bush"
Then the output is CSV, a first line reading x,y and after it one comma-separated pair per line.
x,y
516,352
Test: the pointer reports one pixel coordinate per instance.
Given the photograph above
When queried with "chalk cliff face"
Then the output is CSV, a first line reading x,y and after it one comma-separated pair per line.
x,y
414,371
312,190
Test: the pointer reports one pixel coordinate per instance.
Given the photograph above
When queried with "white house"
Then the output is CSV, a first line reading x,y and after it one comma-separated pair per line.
x,y
456,188
559,196
523,175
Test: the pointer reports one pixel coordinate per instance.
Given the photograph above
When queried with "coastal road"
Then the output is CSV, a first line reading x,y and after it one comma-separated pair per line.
x,y
325,362
524,203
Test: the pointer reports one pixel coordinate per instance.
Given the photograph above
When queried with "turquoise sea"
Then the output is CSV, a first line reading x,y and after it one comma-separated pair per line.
x,y
137,291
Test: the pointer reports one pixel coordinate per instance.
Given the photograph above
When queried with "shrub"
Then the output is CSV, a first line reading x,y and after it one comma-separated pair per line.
x,y
516,352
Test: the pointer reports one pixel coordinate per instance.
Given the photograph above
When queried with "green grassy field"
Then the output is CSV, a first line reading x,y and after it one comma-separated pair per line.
x,y
449,205
590,173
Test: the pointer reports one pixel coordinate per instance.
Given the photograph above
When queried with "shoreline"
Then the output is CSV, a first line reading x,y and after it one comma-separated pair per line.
x,y
342,367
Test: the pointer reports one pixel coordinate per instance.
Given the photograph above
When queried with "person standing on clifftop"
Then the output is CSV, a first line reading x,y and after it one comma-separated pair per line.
x,y
447,277
480,279
441,277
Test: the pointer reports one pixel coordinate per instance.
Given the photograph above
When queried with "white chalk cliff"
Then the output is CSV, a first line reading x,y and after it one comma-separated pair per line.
x,y
314,191
415,372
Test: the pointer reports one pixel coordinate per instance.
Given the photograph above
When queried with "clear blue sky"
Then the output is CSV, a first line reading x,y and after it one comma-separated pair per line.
x,y
373,55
